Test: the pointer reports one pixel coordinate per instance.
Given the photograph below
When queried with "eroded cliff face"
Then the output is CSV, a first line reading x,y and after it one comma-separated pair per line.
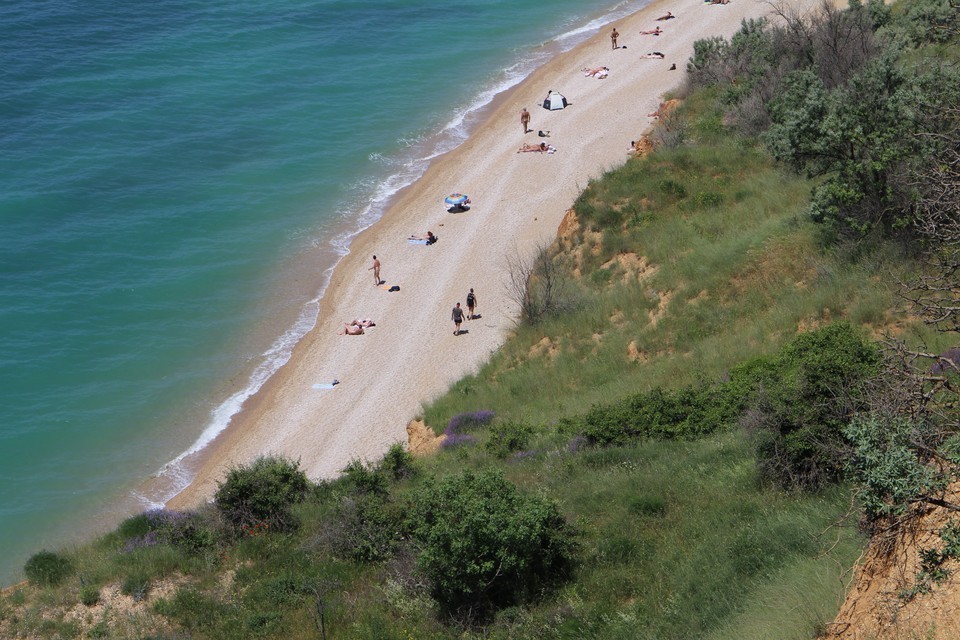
x,y
876,608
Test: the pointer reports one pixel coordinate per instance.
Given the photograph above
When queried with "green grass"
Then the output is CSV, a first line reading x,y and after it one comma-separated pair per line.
x,y
730,283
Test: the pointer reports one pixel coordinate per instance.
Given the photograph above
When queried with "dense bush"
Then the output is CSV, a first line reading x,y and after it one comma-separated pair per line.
x,y
484,545
48,568
365,479
398,463
508,437
686,413
888,465
802,399
369,527
834,96
262,494
191,531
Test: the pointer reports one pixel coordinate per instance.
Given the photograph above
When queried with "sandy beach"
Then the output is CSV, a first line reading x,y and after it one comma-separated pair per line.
x,y
412,356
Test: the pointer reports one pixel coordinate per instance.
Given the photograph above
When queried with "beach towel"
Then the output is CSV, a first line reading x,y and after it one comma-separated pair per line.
x,y
326,385
416,241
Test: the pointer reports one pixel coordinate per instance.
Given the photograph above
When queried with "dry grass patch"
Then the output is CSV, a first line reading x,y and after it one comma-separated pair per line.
x,y
656,315
545,347
632,266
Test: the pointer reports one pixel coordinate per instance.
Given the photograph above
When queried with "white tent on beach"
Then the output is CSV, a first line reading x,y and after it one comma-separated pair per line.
x,y
554,101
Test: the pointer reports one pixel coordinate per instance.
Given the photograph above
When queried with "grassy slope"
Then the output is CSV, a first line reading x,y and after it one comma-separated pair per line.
x,y
733,280
678,540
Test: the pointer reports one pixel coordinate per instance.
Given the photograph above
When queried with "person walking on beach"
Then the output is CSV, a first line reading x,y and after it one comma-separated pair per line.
x,y
613,38
457,316
376,271
471,303
525,120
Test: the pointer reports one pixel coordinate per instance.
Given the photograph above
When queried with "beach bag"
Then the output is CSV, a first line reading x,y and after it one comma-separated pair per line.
x,y
395,287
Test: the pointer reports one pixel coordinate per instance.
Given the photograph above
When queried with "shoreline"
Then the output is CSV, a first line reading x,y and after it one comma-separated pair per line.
x,y
519,200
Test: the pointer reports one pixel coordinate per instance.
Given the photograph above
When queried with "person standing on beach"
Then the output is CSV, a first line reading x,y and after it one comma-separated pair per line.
x,y
457,316
525,120
613,38
471,303
376,271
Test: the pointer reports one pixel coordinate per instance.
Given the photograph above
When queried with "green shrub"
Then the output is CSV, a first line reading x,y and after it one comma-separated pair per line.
x,y
48,568
802,399
262,494
136,526
398,463
366,479
484,545
89,595
371,527
508,437
687,413
136,585
888,462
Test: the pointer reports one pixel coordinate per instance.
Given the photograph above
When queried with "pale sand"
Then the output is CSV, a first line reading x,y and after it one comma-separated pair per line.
x,y
412,356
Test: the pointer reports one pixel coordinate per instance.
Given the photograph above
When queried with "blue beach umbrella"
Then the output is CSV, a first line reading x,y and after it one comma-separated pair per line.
x,y
455,199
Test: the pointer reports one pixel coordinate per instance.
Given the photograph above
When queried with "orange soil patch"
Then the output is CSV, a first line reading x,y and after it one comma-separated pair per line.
x,y
421,440
874,608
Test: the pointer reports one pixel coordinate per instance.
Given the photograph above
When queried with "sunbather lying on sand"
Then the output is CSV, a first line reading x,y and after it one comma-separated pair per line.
x,y
528,148
654,54
652,32
351,330
355,328
667,16
429,238
599,72
543,147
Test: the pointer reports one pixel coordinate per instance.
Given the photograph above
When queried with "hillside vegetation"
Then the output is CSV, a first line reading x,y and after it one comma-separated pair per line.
x,y
707,409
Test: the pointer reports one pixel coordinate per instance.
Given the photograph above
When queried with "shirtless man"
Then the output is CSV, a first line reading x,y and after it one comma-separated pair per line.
x,y
613,38
376,271
667,16
525,120
652,32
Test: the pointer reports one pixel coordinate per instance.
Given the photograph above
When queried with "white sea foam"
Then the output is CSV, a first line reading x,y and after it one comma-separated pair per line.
x,y
369,201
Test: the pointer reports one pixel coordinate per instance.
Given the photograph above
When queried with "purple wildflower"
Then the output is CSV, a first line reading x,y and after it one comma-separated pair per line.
x,y
151,539
465,421
523,455
454,440
160,518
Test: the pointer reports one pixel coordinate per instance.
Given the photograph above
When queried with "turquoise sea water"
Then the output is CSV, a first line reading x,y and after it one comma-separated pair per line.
x,y
177,179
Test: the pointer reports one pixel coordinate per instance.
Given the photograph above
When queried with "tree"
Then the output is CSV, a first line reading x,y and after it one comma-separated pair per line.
x,y
262,494
537,285
485,545
801,401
